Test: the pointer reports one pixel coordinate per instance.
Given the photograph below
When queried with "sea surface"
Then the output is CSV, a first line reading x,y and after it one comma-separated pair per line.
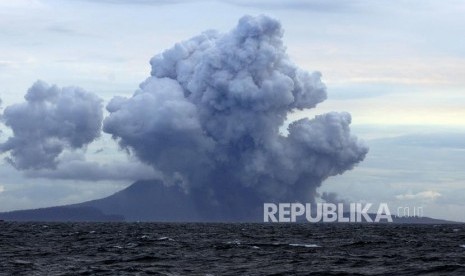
x,y
230,249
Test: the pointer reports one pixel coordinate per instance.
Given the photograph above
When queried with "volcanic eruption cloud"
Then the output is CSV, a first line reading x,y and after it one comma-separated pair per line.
x,y
51,120
209,116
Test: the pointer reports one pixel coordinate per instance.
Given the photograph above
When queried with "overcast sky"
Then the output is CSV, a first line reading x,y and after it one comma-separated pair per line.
x,y
397,66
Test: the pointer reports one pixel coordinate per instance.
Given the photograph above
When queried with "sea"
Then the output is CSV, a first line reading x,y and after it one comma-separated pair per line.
x,y
230,249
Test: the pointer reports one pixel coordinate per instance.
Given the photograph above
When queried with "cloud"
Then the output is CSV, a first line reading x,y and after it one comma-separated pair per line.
x,y
28,4
1,115
62,28
135,2
94,171
332,197
5,63
444,139
51,120
425,195
209,115
307,5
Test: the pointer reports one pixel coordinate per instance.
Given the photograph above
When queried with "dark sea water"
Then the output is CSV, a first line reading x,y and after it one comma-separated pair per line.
x,y
230,249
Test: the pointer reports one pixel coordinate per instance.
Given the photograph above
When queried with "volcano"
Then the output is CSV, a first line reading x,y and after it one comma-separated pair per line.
x,y
152,201
144,200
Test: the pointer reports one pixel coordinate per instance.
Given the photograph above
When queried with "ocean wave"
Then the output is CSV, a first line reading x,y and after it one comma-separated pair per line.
x,y
304,245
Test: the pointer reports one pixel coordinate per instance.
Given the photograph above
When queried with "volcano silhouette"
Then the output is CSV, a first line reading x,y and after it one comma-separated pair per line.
x,y
144,200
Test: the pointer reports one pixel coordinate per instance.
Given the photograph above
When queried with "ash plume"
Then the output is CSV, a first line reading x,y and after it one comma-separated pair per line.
x,y
75,166
331,197
209,115
51,120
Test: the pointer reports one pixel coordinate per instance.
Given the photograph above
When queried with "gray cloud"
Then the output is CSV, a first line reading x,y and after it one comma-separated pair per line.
x,y
428,140
5,64
302,5
208,118
305,5
136,2
51,120
94,171
332,197
64,28
1,115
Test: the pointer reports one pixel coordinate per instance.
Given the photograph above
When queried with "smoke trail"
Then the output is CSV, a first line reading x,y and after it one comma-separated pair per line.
x,y
50,120
208,117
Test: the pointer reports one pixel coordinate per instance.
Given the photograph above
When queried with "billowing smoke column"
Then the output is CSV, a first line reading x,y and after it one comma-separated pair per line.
x,y
50,120
209,116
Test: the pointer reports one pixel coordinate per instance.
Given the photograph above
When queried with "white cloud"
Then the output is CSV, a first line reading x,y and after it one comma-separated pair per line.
x,y
21,4
425,195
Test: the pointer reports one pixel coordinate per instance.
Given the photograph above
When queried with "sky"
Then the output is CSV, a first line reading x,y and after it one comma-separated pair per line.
x,y
396,66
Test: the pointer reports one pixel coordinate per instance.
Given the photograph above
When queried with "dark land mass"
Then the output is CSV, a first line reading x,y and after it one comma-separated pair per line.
x,y
150,200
